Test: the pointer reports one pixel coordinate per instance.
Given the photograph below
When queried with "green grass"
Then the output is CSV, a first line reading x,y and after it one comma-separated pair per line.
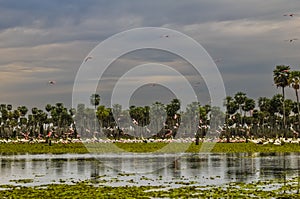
x,y
40,148
251,147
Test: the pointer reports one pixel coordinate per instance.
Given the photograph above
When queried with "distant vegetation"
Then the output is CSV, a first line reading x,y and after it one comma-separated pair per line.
x,y
244,117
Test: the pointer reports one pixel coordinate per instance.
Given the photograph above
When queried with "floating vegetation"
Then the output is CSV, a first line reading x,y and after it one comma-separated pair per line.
x,y
38,176
259,189
126,174
22,181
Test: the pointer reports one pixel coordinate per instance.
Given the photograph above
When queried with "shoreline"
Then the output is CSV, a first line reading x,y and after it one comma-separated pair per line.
x,y
140,147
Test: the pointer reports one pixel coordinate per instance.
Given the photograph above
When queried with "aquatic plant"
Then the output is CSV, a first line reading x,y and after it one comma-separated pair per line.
x,y
85,189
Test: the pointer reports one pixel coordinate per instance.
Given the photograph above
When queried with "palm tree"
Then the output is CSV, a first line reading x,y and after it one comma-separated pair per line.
x,y
23,110
23,120
249,105
33,120
140,116
42,117
60,117
294,81
48,107
231,106
9,107
240,98
95,101
264,105
275,109
191,119
173,118
79,119
203,120
102,114
116,110
173,107
281,79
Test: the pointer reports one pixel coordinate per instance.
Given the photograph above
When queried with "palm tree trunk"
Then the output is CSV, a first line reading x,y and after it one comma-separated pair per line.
x,y
95,120
297,97
283,109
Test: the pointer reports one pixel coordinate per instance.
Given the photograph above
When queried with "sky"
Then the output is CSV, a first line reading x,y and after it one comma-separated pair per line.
x,y
49,40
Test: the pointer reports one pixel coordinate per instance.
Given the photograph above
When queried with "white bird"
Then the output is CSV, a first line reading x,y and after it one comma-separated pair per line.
x,y
134,122
293,130
277,142
221,128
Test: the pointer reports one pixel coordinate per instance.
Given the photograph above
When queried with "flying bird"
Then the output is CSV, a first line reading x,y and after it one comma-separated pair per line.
x,y
51,82
291,40
87,58
289,15
165,36
218,60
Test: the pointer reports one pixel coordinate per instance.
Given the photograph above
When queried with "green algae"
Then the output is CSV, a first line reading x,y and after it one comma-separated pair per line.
x,y
86,189
22,181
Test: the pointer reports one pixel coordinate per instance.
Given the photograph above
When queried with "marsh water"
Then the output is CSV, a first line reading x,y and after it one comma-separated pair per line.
x,y
147,169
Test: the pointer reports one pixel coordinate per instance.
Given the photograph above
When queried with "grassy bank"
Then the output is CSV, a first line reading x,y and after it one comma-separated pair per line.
x,y
39,148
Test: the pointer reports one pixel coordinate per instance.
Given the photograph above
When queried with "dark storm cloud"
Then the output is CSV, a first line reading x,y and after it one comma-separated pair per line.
x,y
65,21
43,14
41,36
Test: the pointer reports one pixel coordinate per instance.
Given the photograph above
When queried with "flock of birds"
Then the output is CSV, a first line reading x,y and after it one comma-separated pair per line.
x,y
259,141
290,15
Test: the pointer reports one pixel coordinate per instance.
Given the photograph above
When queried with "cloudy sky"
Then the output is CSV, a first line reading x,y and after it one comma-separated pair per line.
x,y
49,40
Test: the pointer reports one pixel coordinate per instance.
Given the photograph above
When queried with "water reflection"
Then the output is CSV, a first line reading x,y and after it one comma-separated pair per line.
x,y
202,169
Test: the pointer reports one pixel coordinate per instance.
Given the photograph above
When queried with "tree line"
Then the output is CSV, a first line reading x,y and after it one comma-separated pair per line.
x,y
244,117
